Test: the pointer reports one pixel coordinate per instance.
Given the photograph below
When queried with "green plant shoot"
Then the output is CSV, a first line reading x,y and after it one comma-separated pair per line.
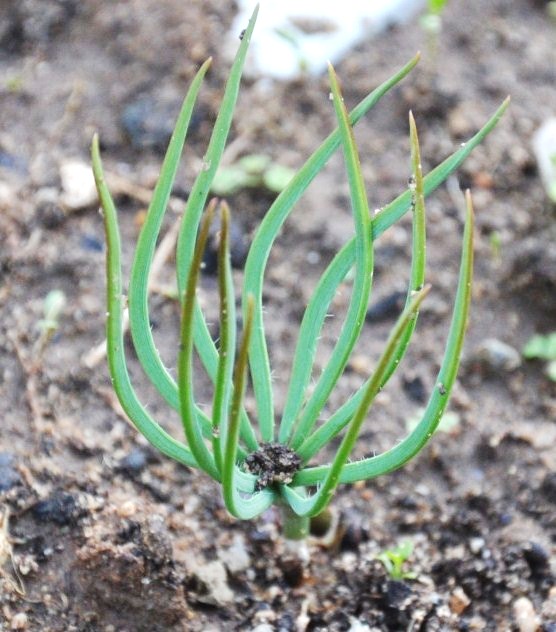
x,y
394,559
260,460
543,348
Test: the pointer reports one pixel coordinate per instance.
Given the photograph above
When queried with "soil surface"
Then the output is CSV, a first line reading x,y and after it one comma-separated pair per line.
x,y
98,532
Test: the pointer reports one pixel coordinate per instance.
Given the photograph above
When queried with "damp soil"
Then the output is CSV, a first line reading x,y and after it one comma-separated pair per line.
x,y
97,530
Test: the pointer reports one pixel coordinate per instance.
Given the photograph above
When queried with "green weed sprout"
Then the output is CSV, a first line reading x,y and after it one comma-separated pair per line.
x,y
432,20
394,559
543,348
268,463
252,171
53,306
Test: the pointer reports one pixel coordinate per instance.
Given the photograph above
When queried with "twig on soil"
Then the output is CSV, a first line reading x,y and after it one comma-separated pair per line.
x,y
6,553
120,185
30,368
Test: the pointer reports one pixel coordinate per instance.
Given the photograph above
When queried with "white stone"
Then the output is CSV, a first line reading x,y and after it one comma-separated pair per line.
x,y
282,49
525,615
236,558
544,148
78,185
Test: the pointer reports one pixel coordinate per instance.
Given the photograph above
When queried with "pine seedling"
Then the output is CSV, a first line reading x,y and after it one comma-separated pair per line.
x,y
260,460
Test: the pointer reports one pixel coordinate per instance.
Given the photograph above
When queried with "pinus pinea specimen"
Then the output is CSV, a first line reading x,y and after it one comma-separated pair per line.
x,y
260,460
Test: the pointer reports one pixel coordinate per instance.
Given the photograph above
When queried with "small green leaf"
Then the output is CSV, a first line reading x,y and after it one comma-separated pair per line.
x,y
394,559
53,306
437,6
255,164
277,177
230,180
541,347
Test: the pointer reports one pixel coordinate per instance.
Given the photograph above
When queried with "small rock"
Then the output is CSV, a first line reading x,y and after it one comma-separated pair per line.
x,y
525,616
476,545
9,476
263,627
19,621
148,121
147,126
462,120
548,487
293,571
497,355
48,209
126,509
239,247
388,307
286,623
397,592
360,364
537,557
414,387
354,535
544,147
78,185
133,463
213,578
549,609
358,626
13,163
236,558
60,508
91,243
459,600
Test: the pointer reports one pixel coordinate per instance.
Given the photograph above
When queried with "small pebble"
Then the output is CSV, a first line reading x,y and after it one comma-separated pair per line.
x,y
285,623
263,627
148,121
537,557
293,571
9,476
459,600
386,308
549,609
19,621
91,243
236,558
548,487
14,163
476,545
396,593
414,387
497,355
544,147
127,509
60,508
358,626
215,580
78,185
353,536
525,616
134,462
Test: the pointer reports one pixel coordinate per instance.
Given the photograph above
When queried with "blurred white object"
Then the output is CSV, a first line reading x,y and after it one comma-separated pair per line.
x,y
296,36
78,185
544,147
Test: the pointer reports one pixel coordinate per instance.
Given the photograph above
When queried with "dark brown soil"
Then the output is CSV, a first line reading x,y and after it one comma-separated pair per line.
x,y
98,531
